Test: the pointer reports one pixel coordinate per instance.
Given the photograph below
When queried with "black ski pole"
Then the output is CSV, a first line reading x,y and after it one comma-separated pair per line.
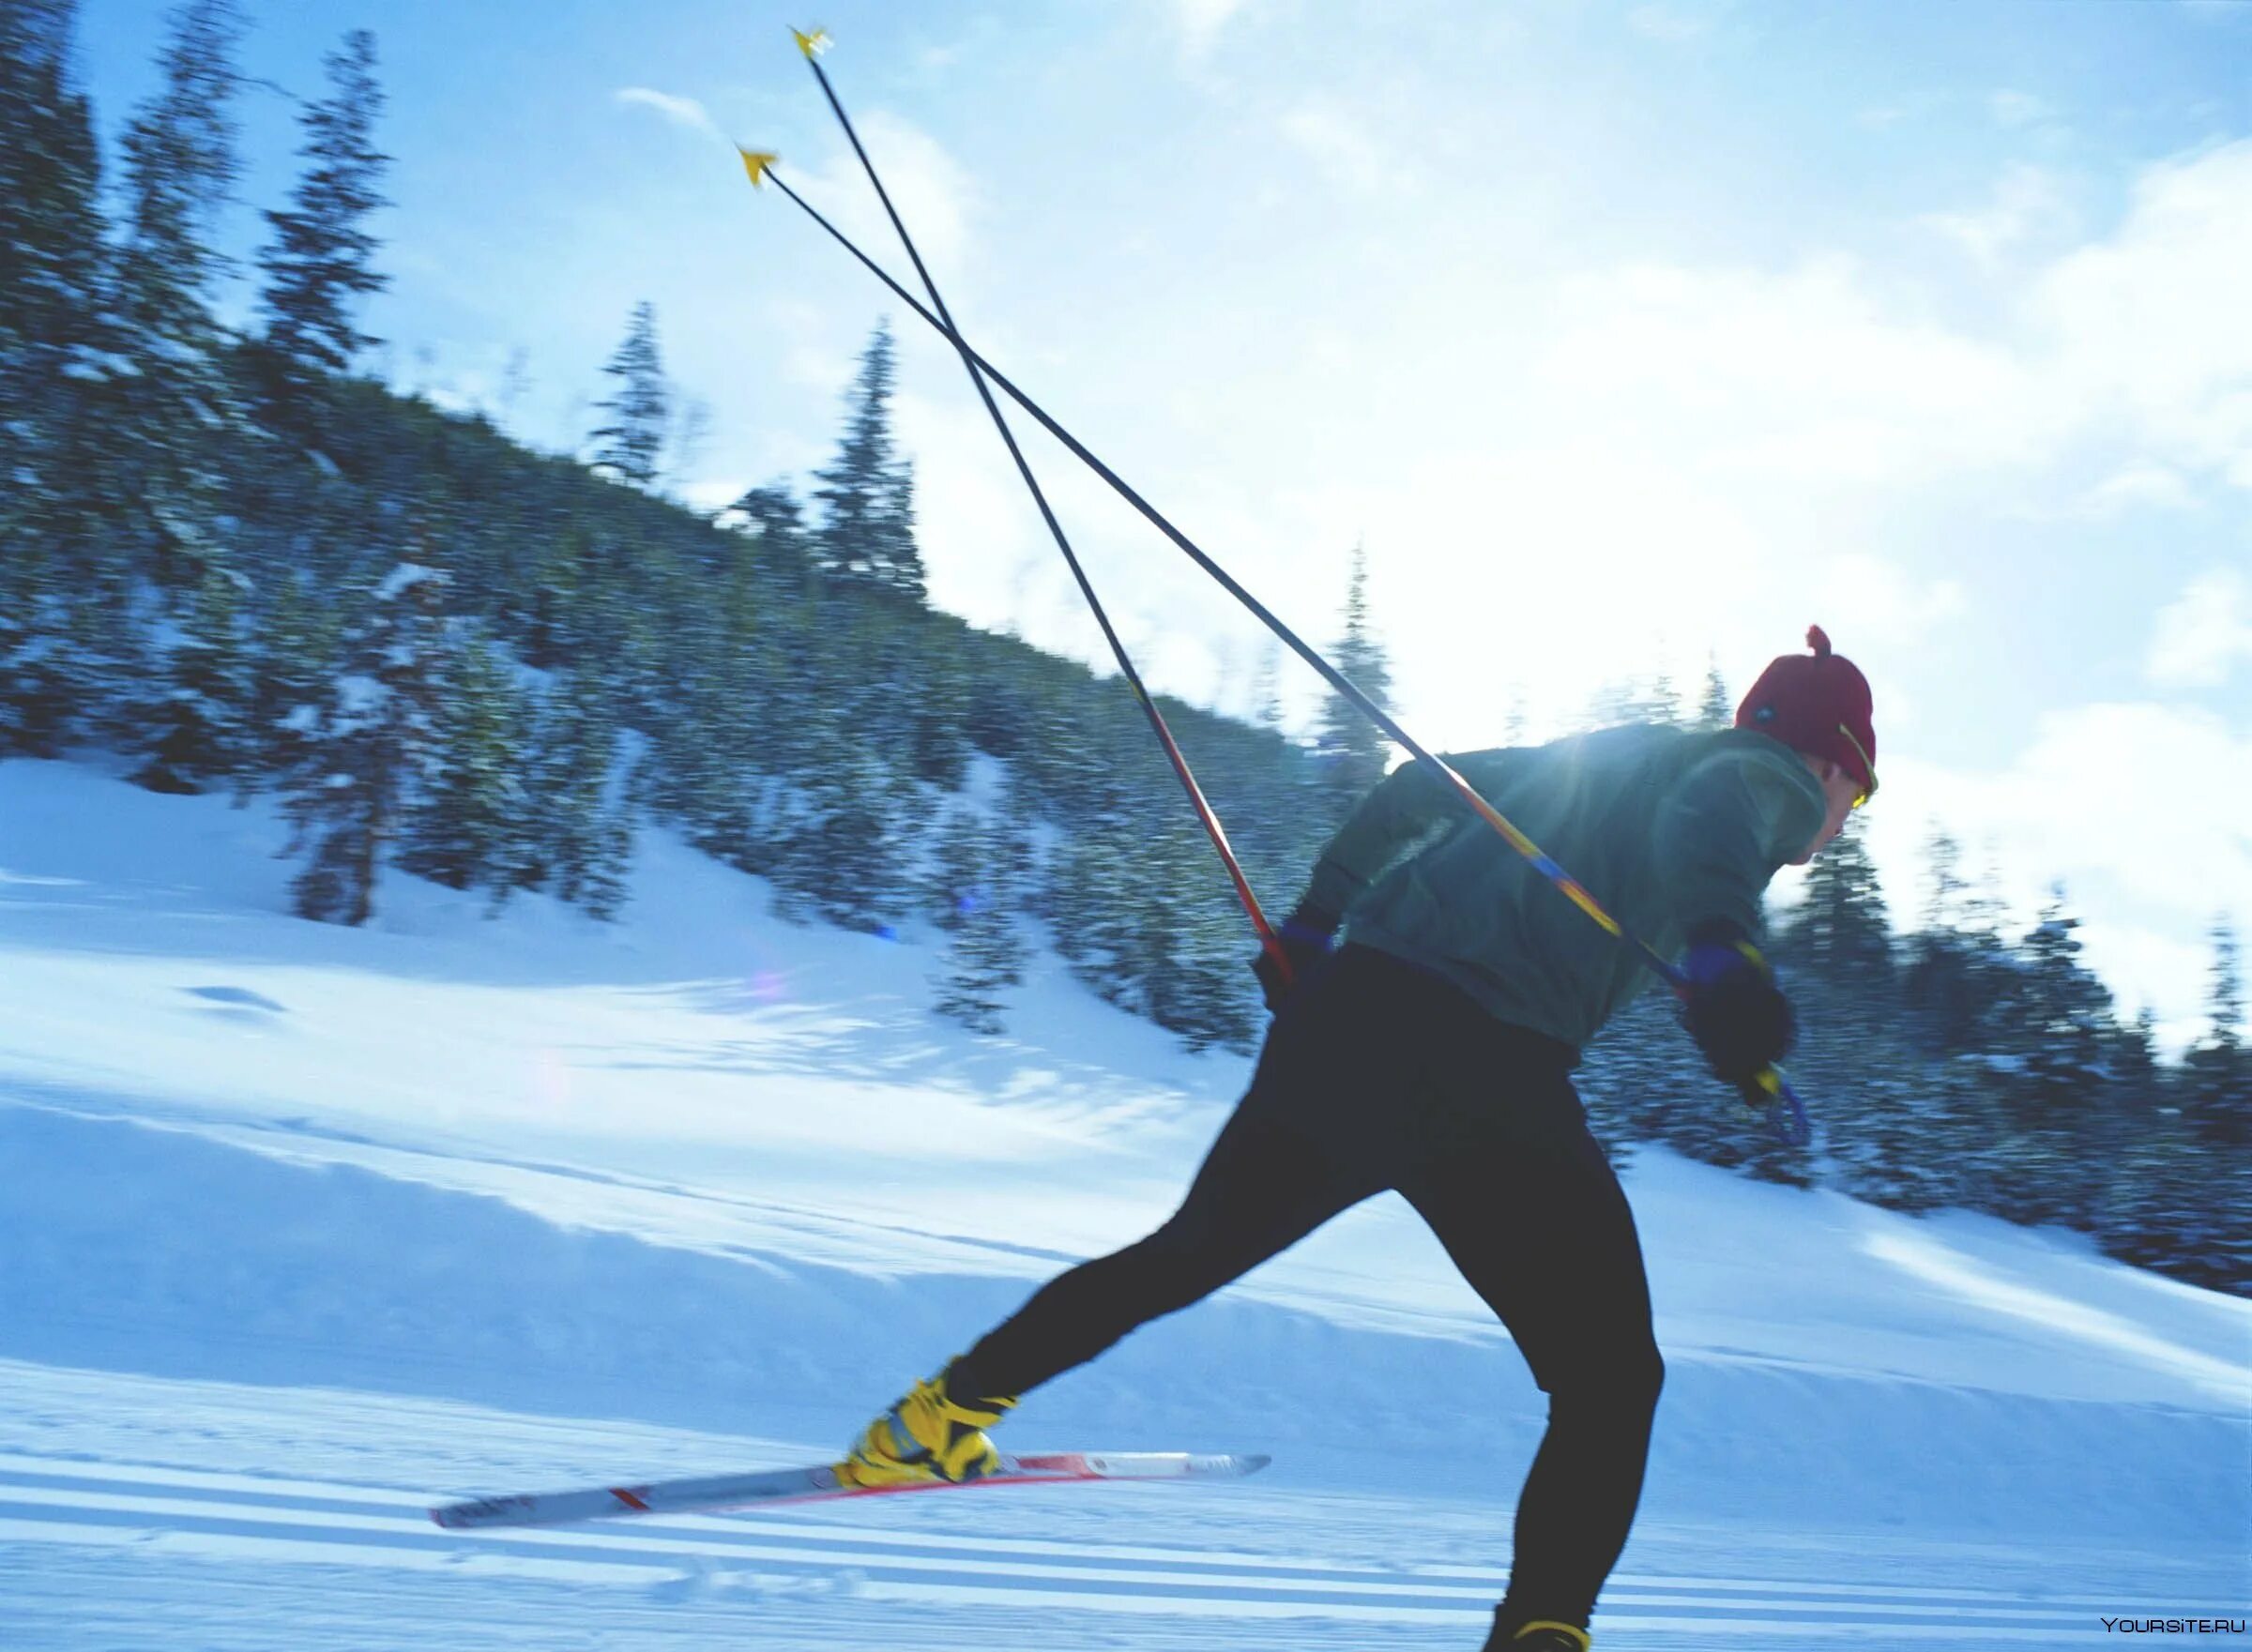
x,y
812,45
1786,1114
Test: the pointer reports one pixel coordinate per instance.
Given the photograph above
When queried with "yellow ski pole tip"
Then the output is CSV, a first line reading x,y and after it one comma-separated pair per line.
x,y
756,163
813,45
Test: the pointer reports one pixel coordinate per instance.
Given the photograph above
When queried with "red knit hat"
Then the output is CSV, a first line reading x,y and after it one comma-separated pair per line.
x,y
1819,705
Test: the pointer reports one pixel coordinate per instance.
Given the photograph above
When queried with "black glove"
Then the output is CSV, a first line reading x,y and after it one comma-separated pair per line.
x,y
1733,1006
1308,939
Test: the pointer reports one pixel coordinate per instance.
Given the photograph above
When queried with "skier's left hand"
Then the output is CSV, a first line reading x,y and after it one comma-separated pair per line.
x,y
1308,938
1733,1009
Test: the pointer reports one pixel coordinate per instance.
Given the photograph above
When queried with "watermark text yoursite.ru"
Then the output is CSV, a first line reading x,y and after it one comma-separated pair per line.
x,y
2177,1625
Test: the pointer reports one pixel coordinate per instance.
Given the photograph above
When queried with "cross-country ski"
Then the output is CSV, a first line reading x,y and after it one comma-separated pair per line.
x,y
828,1483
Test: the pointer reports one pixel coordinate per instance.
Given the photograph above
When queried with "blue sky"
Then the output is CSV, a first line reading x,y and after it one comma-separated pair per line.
x,y
1626,335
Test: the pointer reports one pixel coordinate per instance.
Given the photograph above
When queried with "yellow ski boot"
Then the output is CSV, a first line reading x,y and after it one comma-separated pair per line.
x,y
1542,1635
932,1433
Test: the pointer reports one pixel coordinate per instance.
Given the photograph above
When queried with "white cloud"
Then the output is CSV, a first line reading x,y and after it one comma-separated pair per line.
x,y
2151,800
1337,140
2151,323
2029,203
684,112
2141,809
1882,599
1817,375
1805,375
1198,22
2154,487
710,496
2166,973
933,192
2204,633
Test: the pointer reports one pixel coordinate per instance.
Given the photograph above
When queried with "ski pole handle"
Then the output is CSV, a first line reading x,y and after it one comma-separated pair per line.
x,y
1779,1105
1768,1093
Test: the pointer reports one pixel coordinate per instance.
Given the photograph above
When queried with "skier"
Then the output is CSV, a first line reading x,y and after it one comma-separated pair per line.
x,y
1432,1053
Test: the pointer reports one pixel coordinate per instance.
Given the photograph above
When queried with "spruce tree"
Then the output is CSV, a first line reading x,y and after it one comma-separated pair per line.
x,y
627,449
371,748
1715,710
842,856
2051,1074
972,896
1957,970
582,839
1352,753
2191,1209
1840,931
294,640
199,731
56,343
72,650
1266,689
181,162
320,264
2216,1076
1095,912
36,708
785,546
602,885
468,824
867,495
1651,699
1834,958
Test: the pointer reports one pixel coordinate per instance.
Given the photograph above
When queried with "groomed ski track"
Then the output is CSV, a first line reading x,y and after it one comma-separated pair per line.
x,y
143,1542
94,1551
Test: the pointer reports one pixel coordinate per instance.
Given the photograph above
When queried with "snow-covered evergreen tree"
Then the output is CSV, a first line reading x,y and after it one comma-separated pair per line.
x,y
973,899
629,446
2050,1073
181,162
57,341
1840,931
1649,699
294,640
2216,1095
773,513
34,695
843,855
370,747
1715,709
321,262
867,495
583,842
469,825
198,730
1352,753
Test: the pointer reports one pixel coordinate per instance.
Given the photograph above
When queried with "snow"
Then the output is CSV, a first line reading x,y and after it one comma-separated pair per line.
x,y
305,1229
404,576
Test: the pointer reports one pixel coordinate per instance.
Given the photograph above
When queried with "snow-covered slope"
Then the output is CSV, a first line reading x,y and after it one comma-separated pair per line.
x,y
425,1197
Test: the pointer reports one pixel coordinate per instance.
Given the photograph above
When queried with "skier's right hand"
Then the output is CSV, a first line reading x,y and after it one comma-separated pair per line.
x,y
1733,1009
1307,939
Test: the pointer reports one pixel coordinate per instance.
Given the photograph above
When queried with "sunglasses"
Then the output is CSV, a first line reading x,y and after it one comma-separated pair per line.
x,y
1867,766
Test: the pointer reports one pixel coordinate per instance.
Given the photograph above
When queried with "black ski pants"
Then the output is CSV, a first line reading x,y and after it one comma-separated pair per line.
x,y
1378,1075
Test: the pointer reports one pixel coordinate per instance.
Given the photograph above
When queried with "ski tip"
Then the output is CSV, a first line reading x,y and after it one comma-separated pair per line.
x,y
1254,1461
